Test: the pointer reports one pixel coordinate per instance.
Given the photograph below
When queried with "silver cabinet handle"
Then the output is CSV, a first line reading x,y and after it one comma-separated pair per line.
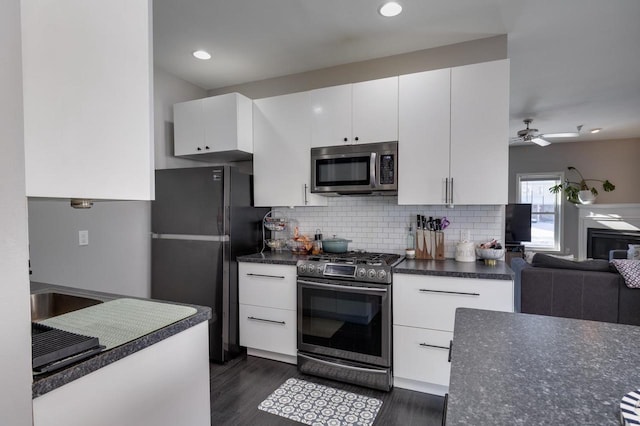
x,y
267,320
424,290
434,346
280,277
451,192
305,194
446,190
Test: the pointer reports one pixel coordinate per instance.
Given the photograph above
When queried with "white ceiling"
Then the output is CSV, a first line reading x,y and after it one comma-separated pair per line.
x,y
573,62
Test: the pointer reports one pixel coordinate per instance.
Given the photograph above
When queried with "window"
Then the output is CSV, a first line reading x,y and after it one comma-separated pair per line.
x,y
546,209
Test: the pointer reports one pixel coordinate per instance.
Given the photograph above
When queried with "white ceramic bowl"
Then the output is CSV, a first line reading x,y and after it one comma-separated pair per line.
x,y
492,254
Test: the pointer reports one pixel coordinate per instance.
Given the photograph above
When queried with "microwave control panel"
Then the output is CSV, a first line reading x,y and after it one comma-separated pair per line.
x,y
387,172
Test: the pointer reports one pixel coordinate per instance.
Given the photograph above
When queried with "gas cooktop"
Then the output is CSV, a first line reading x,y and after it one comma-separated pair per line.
x,y
353,266
358,258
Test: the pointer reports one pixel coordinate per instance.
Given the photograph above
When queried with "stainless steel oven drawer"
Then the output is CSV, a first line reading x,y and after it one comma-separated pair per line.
x,y
345,371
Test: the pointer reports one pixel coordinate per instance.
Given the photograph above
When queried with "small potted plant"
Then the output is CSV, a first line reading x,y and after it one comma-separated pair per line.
x,y
581,192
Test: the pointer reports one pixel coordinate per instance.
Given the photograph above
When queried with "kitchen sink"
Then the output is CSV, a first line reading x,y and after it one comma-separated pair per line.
x,y
51,304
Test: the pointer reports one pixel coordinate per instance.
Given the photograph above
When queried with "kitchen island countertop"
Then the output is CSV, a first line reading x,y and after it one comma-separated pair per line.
x,y
524,369
45,383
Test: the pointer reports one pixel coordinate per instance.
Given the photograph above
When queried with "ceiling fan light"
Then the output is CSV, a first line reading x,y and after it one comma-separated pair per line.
x,y
561,135
390,9
540,141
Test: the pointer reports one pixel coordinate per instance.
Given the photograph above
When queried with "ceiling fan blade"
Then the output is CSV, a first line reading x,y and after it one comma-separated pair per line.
x,y
561,135
538,140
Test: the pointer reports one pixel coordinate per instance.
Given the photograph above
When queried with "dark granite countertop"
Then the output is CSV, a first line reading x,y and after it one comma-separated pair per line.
x,y
451,268
522,369
47,382
445,268
273,257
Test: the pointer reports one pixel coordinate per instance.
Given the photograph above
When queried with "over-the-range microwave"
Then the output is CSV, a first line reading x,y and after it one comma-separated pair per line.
x,y
361,169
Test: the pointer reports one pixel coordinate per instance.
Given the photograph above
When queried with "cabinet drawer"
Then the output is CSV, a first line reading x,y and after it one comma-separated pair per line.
x,y
421,355
273,286
268,329
431,302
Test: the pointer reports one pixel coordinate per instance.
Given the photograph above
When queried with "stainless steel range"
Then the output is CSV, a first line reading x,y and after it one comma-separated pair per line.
x,y
344,317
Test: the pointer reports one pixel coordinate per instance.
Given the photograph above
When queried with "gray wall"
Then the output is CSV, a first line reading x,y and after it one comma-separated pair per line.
x,y
616,160
15,327
470,52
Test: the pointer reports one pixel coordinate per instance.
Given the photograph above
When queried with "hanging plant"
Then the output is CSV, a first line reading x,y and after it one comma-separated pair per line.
x,y
572,189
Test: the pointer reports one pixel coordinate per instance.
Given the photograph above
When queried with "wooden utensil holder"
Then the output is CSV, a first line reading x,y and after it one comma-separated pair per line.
x,y
429,245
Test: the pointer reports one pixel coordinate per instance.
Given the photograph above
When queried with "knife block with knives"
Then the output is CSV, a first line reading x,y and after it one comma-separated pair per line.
x,y
429,242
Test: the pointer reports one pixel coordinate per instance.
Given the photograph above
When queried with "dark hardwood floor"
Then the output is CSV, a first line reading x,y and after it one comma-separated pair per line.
x,y
240,385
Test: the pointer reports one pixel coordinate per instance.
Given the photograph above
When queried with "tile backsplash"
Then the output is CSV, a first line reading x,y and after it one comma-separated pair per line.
x,y
379,224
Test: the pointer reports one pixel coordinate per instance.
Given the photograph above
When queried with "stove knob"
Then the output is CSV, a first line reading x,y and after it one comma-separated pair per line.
x,y
320,270
302,268
382,275
362,273
311,269
371,273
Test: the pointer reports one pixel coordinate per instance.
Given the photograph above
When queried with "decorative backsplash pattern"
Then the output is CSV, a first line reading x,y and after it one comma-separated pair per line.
x,y
379,224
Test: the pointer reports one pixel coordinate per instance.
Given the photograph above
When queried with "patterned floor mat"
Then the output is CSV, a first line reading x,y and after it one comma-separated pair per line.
x,y
319,405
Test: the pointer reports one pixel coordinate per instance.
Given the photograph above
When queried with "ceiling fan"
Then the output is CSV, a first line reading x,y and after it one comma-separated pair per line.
x,y
532,135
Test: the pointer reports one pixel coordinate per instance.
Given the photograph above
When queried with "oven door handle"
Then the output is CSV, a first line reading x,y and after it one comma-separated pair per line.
x,y
348,367
345,287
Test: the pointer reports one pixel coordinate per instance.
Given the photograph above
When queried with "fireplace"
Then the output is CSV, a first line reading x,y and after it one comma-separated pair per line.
x,y
600,241
604,227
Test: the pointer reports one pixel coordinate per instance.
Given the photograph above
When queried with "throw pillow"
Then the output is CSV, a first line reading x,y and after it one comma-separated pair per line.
x,y
630,271
546,261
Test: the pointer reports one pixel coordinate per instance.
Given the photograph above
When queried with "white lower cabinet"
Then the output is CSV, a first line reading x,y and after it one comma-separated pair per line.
x,y
424,313
267,298
421,356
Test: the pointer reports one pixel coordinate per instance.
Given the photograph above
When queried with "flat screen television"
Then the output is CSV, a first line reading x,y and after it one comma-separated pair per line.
x,y
517,223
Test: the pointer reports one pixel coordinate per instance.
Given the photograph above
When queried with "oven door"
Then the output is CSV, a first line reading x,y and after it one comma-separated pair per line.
x,y
346,320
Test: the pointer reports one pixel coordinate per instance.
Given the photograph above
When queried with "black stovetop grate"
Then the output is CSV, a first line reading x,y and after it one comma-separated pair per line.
x,y
50,346
357,257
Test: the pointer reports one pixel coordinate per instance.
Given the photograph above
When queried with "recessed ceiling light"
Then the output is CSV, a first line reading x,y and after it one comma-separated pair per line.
x,y
595,130
202,54
390,9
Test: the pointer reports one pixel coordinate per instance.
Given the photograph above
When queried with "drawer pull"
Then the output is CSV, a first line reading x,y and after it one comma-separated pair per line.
x,y
434,346
267,320
280,277
424,290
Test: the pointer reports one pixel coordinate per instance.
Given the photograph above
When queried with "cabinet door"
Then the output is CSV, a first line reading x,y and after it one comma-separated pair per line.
x,y
480,133
421,355
330,116
423,143
281,162
375,111
188,128
228,123
431,302
88,110
272,286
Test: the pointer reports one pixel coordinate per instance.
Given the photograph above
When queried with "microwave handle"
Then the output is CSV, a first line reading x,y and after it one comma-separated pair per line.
x,y
372,170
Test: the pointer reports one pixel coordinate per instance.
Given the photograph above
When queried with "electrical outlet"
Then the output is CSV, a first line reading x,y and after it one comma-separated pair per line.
x,y
83,238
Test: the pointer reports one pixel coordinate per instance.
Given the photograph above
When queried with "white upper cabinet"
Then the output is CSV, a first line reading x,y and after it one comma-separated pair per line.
x,y
355,113
453,135
88,99
480,133
423,147
281,163
219,127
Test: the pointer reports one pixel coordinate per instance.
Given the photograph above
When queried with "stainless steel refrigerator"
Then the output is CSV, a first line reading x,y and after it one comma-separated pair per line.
x,y
201,220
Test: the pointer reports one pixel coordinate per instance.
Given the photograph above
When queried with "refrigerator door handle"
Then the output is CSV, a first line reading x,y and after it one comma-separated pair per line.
x,y
219,238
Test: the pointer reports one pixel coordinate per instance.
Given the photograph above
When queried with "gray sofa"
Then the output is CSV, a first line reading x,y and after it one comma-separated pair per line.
x,y
583,290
